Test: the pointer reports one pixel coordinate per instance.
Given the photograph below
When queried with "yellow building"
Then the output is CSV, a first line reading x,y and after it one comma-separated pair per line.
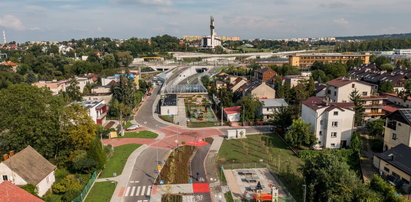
x,y
395,164
308,59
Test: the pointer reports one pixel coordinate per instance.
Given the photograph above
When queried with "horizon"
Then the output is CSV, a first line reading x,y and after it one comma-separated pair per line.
x,y
63,20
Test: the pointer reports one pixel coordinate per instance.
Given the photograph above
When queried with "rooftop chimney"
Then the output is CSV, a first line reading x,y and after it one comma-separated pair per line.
x,y
392,156
5,157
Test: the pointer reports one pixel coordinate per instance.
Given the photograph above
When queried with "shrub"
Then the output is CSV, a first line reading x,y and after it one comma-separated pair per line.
x,y
70,182
377,145
32,189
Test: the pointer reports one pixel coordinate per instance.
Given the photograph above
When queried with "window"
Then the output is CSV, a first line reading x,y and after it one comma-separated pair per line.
x,y
386,169
353,86
336,113
319,142
5,178
364,93
332,145
334,124
333,134
321,122
335,93
321,132
329,91
394,136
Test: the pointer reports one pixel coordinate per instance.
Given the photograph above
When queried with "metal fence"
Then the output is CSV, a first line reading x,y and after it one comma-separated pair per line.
x,y
86,189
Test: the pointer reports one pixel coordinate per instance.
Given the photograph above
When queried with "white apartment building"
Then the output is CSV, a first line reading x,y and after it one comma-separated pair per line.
x,y
332,123
339,89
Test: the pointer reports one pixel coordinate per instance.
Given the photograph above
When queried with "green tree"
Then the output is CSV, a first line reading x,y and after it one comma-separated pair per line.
x,y
356,142
358,107
282,118
73,90
250,106
380,60
124,58
30,116
31,77
376,127
387,191
328,178
300,133
386,87
108,61
388,67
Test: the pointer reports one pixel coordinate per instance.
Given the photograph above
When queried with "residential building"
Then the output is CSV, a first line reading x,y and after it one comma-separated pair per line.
x,y
257,89
308,59
265,75
169,105
398,100
270,106
237,83
373,107
397,129
320,90
402,51
97,110
54,86
332,123
12,193
109,80
294,80
28,167
232,114
395,164
339,89
82,82
220,84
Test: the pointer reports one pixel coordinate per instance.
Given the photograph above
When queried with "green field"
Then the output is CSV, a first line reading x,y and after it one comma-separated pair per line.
x,y
167,118
264,151
101,192
142,134
116,163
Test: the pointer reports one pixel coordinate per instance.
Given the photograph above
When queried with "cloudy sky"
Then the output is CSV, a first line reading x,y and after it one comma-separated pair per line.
x,y
28,20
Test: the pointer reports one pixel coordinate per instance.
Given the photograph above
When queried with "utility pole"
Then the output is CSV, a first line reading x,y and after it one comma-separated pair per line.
x,y
222,114
304,192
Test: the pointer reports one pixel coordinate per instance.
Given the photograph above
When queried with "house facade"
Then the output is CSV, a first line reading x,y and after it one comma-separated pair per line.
x,y
232,114
258,89
169,105
28,167
397,129
332,123
97,110
265,74
270,106
339,89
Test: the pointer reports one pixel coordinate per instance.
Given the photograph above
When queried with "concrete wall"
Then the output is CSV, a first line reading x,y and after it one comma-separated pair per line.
x,y
169,110
263,91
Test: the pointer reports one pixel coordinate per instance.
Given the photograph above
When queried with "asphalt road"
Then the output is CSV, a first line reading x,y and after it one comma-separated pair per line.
x,y
144,175
198,172
145,114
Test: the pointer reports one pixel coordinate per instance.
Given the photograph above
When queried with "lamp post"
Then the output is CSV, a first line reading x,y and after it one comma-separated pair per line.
x,y
304,192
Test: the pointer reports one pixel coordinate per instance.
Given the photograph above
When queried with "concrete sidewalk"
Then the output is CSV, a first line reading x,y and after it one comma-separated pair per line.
x,y
123,179
159,190
216,191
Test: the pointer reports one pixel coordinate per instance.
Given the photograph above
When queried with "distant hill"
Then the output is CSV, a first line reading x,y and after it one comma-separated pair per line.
x,y
369,37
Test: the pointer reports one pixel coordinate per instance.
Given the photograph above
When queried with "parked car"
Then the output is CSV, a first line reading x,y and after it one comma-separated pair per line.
x,y
133,127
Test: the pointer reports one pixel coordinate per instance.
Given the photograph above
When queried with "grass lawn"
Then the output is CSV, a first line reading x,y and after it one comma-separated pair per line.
x,y
116,163
281,161
142,134
101,192
167,118
128,124
191,124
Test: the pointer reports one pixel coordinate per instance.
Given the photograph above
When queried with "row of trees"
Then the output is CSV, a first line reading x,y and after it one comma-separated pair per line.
x,y
374,45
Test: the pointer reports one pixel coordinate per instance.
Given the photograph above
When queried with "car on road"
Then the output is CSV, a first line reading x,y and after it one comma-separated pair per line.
x,y
133,127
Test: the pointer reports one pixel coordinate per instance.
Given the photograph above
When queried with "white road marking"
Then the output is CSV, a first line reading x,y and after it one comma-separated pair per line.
x,y
132,191
138,190
148,190
139,201
145,201
142,190
127,191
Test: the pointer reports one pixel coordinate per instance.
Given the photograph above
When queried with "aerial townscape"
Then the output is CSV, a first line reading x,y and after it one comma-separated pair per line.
x,y
148,103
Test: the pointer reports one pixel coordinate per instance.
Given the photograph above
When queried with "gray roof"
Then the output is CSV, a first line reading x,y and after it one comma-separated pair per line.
x,y
401,115
274,103
170,100
30,165
399,157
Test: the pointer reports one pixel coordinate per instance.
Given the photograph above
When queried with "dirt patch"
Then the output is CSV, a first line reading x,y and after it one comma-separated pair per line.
x,y
176,169
172,198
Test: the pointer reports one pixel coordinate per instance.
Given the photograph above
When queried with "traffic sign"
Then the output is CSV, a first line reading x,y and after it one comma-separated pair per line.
x,y
161,182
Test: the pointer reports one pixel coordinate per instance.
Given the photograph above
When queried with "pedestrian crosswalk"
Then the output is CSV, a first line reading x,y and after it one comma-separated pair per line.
x,y
138,191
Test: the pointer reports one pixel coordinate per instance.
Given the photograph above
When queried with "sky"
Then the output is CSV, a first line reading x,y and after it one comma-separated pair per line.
x,y
58,20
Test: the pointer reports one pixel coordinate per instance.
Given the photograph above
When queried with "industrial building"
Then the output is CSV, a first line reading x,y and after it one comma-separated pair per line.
x,y
308,59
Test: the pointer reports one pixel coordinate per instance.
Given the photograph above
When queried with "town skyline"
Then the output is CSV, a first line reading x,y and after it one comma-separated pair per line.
x,y
59,20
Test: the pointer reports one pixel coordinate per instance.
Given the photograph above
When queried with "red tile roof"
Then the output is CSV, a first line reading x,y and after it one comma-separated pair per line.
x,y
232,110
341,81
389,108
10,63
12,193
395,95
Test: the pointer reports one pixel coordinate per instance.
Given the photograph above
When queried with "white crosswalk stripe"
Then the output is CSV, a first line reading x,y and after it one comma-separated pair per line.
x,y
142,191
132,191
140,201
138,190
148,191
127,191
145,201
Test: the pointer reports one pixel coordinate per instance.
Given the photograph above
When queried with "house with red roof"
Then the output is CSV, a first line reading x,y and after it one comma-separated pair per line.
x,y
12,193
331,122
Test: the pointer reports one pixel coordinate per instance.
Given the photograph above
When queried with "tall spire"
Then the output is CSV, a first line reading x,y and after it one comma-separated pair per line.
x,y
212,34
4,37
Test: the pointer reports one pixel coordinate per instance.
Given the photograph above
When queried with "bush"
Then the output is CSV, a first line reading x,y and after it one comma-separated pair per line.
x,y
82,163
377,145
386,190
32,189
69,183
70,195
